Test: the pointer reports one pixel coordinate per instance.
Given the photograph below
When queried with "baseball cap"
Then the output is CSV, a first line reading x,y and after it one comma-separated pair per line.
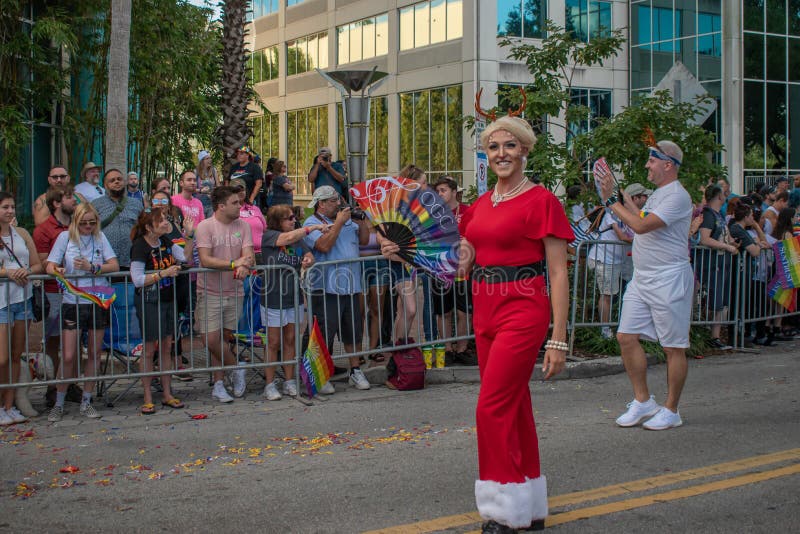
x,y
239,183
638,189
243,148
87,167
325,150
324,192
203,154
782,179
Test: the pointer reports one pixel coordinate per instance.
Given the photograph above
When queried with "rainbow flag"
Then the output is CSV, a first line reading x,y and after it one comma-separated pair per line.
x,y
787,262
316,366
103,296
786,297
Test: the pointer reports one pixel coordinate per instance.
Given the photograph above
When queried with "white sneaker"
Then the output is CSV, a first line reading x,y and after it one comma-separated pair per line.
x,y
290,388
16,415
87,410
327,389
56,414
5,419
220,393
271,392
239,383
358,379
638,412
664,419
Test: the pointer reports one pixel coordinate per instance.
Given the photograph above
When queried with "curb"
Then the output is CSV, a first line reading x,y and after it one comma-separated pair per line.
x,y
610,365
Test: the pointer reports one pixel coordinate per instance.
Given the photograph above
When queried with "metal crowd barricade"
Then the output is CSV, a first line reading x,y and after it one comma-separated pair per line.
x,y
406,316
717,289
121,349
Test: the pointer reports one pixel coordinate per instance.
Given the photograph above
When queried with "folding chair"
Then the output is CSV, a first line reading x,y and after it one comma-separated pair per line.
x,y
122,339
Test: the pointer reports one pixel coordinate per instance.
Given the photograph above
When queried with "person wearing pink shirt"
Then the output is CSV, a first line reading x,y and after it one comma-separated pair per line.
x,y
252,216
185,200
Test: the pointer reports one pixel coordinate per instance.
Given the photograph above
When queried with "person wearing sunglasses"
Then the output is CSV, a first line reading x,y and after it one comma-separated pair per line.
x,y
282,244
657,304
57,177
82,250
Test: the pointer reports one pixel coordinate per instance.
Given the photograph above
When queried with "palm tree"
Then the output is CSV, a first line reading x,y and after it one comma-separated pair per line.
x,y
236,91
116,155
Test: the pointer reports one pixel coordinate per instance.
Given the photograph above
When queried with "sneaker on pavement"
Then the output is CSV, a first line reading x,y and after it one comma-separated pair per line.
x,y
290,388
271,392
16,415
219,392
716,344
638,412
358,379
5,419
56,414
239,383
87,410
664,419
327,389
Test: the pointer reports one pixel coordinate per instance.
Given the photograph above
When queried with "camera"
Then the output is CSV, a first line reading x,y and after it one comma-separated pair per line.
x,y
355,212
326,158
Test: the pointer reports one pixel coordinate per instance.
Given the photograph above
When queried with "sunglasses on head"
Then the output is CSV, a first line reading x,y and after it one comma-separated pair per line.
x,y
160,202
88,223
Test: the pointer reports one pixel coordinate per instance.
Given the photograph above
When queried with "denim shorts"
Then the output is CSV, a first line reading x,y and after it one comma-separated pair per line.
x,y
19,311
377,273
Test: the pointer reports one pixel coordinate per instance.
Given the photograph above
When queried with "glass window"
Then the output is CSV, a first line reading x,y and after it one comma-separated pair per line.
x,y
407,28
312,54
793,21
455,22
776,16
794,62
343,43
776,126
382,35
290,3
422,18
307,131
363,39
356,41
794,127
588,18
754,125
753,55
368,38
438,21
753,15
776,58
521,18
641,25
322,45
307,53
641,66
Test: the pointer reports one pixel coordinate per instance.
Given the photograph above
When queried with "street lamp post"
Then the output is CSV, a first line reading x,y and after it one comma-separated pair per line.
x,y
355,109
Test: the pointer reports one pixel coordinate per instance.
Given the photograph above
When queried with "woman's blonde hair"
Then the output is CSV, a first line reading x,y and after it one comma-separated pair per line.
x,y
412,172
84,208
516,126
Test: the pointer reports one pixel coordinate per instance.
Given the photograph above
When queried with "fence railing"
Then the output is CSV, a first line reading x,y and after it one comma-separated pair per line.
x,y
365,306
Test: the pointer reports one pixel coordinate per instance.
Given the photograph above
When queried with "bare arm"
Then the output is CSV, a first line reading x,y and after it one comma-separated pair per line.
x,y
40,211
256,190
210,262
289,238
556,254
707,241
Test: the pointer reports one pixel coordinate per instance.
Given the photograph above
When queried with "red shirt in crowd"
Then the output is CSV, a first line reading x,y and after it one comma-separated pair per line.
x,y
44,236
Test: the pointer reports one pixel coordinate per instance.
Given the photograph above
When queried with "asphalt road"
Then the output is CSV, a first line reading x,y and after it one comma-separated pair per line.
x,y
406,462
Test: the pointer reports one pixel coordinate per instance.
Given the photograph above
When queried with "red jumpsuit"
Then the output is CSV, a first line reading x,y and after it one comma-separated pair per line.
x,y
511,320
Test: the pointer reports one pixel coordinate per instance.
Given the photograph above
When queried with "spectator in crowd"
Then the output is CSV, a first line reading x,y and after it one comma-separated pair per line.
x,y
639,194
248,171
282,187
207,180
82,250
458,295
794,198
335,289
223,242
377,278
185,200
606,260
575,209
117,214
282,244
57,177
771,214
796,181
19,259
726,192
252,216
325,171
299,214
658,301
269,175
714,267
89,188
768,192
162,185
61,205
781,184
133,187
153,251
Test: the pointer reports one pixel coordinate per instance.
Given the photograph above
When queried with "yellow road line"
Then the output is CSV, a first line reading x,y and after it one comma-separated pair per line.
x,y
443,523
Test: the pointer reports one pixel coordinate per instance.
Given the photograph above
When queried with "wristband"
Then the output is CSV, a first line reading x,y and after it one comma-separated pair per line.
x,y
611,201
96,268
233,265
308,230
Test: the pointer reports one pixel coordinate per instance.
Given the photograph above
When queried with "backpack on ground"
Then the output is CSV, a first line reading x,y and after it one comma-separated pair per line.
x,y
406,370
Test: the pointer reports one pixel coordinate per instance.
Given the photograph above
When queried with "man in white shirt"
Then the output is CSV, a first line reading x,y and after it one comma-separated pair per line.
x,y
89,188
658,302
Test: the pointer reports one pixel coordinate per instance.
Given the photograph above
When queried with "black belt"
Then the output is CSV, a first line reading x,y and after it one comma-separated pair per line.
x,y
507,273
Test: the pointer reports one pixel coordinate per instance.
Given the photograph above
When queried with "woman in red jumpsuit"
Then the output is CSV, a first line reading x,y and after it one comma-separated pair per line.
x,y
508,232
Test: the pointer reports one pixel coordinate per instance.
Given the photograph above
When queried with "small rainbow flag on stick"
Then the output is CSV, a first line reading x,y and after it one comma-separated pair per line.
x,y
103,296
787,259
316,366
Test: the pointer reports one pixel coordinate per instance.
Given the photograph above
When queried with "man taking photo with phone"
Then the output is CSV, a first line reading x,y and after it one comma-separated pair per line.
x,y
325,171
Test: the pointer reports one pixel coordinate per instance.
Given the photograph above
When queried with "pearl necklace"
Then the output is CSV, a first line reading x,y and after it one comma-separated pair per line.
x,y
500,197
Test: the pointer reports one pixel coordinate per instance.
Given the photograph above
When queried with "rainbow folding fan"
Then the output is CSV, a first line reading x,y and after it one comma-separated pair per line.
x,y
414,217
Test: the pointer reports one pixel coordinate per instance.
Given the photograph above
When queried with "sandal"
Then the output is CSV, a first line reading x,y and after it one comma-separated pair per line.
x,y
377,358
148,408
173,403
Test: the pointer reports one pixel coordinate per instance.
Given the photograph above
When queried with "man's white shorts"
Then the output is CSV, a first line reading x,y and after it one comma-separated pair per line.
x,y
280,318
659,309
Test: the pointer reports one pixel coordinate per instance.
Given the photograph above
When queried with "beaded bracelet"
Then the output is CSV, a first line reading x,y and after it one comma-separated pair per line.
x,y
556,345
96,268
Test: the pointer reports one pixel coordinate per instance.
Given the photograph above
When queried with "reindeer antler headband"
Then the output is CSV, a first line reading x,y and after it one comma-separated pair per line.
x,y
492,115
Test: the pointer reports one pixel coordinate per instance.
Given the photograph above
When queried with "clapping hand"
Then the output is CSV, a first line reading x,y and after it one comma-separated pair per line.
x,y
188,225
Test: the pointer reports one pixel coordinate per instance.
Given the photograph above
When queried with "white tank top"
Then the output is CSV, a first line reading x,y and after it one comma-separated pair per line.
x,y
10,291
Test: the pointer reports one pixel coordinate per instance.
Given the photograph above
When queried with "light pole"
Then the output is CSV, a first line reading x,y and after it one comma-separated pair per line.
x,y
355,109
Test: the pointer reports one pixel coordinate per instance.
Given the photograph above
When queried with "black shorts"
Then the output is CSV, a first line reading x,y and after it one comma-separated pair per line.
x,y
156,320
458,295
84,316
338,314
